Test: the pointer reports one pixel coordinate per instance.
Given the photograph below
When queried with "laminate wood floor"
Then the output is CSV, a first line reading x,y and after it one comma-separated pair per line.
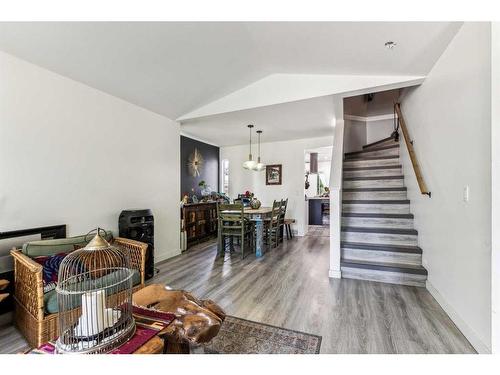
x,y
289,287
318,231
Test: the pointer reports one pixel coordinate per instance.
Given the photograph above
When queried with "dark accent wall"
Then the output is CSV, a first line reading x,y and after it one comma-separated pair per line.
x,y
209,171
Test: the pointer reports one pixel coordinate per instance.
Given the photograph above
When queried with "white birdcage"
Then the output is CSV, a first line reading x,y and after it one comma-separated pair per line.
x,y
94,293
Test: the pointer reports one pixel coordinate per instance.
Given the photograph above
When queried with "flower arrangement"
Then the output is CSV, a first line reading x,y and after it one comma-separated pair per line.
x,y
206,190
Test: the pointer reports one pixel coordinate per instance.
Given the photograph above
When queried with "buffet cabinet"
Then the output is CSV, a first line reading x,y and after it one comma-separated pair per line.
x,y
199,222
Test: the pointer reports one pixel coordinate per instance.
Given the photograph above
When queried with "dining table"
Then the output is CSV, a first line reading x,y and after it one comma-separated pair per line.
x,y
258,215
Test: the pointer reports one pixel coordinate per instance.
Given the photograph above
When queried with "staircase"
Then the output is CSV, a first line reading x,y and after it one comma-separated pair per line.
x,y
378,240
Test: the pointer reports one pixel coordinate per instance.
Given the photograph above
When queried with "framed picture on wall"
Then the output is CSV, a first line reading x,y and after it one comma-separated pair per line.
x,y
273,174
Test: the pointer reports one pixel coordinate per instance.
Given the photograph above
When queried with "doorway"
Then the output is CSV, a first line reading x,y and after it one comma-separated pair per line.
x,y
317,167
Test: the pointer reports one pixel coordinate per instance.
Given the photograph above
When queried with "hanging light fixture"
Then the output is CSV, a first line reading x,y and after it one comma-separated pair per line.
x,y
250,164
259,166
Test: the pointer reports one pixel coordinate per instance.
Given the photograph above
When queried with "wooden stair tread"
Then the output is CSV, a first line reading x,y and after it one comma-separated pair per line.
x,y
378,142
380,230
387,267
372,158
381,247
380,167
378,201
3,296
377,216
396,177
371,150
358,190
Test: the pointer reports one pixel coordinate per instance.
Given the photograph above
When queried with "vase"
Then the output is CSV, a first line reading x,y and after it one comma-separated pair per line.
x,y
255,203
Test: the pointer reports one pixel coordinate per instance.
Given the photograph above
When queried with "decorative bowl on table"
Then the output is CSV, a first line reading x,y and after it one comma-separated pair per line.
x,y
255,203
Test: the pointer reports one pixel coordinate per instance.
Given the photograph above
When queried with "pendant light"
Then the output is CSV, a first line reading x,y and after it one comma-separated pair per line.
x,y
259,166
250,164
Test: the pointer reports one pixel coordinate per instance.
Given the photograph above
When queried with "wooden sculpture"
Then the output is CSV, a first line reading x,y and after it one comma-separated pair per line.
x,y
197,321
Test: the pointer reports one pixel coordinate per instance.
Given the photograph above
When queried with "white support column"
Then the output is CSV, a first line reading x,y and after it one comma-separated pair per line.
x,y
336,189
495,189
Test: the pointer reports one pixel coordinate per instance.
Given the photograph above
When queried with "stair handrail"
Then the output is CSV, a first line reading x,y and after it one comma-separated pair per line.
x,y
411,151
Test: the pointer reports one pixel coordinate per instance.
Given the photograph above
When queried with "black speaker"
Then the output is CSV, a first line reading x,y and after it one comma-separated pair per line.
x,y
139,225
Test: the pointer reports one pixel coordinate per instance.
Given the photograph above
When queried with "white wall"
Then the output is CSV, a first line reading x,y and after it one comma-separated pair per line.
x,y
377,130
70,154
449,119
336,188
354,135
360,130
290,154
368,121
495,172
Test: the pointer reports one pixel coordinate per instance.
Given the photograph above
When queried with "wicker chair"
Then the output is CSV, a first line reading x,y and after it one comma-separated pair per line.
x,y
30,317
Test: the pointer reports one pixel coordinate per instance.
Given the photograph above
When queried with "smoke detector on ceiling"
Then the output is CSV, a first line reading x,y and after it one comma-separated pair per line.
x,y
390,44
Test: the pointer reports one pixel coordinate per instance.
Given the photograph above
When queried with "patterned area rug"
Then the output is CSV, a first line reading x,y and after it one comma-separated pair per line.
x,y
240,336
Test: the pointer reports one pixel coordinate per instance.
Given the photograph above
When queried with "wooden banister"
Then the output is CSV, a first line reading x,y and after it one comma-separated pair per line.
x,y
411,151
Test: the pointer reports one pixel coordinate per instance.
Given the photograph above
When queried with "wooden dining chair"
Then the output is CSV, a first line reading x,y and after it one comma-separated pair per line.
x,y
284,203
273,226
232,224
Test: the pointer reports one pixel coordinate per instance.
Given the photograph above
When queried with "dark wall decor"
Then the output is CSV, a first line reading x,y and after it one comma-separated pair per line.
x,y
273,174
195,163
199,162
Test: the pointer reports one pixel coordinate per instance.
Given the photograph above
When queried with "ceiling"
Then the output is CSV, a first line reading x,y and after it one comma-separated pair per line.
x,y
284,88
295,120
173,68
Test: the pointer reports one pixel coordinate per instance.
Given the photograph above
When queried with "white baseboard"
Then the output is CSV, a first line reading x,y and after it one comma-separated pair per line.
x,y
467,331
334,274
161,257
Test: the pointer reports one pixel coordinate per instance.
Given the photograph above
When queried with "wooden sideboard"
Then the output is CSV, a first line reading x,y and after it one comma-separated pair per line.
x,y
200,221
